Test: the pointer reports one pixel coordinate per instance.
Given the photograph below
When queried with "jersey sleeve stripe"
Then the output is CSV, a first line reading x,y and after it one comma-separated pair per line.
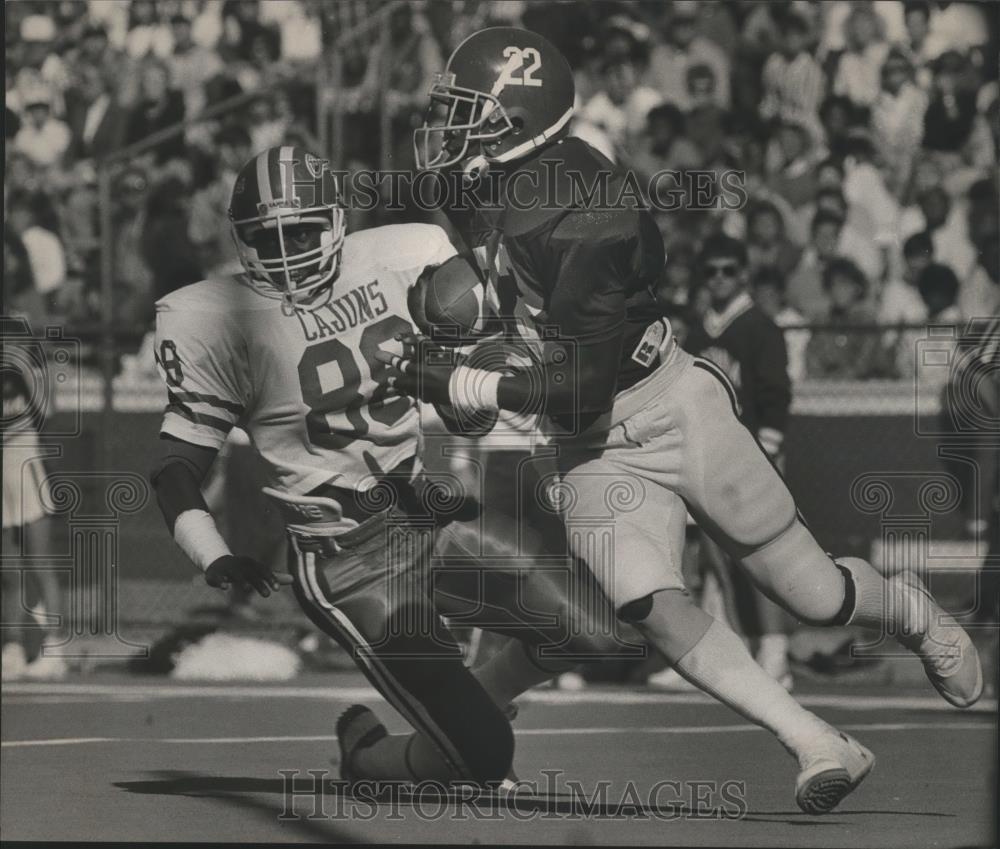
x,y
185,412
182,429
207,398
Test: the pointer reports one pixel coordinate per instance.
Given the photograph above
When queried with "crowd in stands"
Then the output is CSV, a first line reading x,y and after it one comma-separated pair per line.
x,y
865,134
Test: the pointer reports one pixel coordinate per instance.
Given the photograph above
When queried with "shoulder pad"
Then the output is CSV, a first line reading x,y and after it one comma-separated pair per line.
x,y
568,175
397,247
220,293
605,226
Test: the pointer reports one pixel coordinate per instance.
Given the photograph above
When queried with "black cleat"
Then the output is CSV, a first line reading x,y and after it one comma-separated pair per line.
x,y
357,728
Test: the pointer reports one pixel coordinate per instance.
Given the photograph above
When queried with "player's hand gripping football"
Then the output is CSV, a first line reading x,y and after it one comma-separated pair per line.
x,y
424,369
233,569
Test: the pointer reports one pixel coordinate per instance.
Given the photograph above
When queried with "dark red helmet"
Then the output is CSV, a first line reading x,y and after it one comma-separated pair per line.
x,y
504,92
281,194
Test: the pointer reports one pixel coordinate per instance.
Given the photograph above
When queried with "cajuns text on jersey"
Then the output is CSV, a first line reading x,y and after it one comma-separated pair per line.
x,y
303,382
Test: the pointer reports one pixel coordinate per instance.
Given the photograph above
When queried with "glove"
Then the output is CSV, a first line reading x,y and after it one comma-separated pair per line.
x,y
424,369
233,569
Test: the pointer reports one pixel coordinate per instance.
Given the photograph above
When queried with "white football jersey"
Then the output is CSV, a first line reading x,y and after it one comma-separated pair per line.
x,y
304,384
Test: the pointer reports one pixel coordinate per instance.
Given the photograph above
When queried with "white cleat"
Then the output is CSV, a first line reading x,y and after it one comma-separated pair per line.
x,y
949,657
830,771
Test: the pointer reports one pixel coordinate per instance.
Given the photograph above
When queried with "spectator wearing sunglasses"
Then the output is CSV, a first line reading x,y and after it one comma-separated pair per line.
x,y
743,341
750,348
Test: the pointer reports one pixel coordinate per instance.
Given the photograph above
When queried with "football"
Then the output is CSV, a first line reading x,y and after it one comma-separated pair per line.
x,y
447,303
473,425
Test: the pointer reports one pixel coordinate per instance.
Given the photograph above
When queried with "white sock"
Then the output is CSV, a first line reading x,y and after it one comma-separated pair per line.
x,y
883,606
721,665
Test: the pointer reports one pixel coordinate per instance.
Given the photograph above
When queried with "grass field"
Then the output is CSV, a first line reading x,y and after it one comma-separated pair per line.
x,y
132,759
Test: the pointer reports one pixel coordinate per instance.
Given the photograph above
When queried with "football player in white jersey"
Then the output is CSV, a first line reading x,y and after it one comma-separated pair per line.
x,y
287,350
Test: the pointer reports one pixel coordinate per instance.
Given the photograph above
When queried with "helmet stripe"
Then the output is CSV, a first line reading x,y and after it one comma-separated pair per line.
x,y
514,63
274,170
286,159
264,178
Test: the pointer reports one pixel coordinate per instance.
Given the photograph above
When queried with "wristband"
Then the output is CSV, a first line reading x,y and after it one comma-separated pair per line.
x,y
474,389
198,537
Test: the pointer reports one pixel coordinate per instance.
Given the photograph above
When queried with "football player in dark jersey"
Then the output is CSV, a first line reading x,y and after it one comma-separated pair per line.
x,y
642,428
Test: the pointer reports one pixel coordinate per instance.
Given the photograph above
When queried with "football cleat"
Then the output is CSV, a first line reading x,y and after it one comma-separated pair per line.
x,y
949,657
357,728
829,771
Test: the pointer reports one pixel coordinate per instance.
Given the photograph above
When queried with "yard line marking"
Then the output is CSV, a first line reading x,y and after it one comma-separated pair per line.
x,y
522,732
594,696
173,741
61,741
73,699
225,691
846,702
726,729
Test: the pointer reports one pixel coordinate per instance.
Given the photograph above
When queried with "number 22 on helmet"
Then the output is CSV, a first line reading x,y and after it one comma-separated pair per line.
x,y
504,92
288,224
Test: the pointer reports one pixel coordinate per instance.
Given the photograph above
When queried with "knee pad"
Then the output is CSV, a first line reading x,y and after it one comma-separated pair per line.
x,y
635,611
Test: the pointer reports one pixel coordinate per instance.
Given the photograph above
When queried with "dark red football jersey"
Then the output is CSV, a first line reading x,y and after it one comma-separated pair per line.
x,y
583,253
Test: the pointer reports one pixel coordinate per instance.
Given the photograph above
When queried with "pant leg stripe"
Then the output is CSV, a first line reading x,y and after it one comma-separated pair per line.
x,y
397,696
721,376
